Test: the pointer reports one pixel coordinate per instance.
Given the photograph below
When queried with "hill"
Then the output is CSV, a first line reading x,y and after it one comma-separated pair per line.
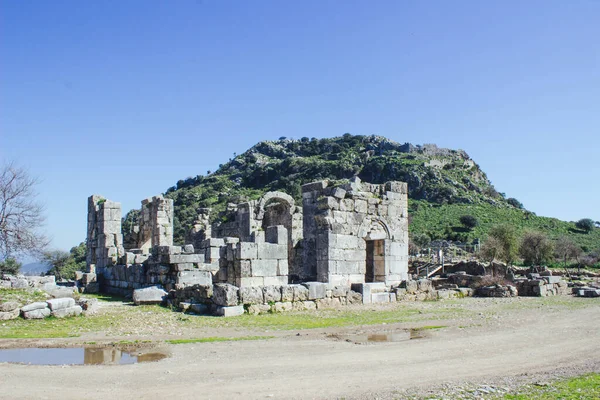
x,y
443,184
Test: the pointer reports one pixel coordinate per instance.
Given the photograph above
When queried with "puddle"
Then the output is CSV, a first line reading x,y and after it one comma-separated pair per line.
x,y
383,337
77,356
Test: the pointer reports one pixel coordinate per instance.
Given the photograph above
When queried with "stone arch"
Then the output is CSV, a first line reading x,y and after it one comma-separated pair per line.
x,y
274,196
365,228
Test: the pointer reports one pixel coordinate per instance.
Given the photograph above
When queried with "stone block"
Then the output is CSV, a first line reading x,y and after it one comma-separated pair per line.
x,y
246,251
39,313
149,295
185,258
67,312
58,304
287,293
314,186
340,291
230,311
380,297
271,293
360,206
397,187
251,295
316,290
300,292
338,193
552,279
8,315
264,268
88,278
275,280
250,281
277,234
281,307
20,284
283,267
256,309
328,203
424,285
225,295
188,248
328,303
39,305
189,278
270,251
9,306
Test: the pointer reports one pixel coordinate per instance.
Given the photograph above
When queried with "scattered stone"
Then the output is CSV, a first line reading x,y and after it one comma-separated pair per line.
x,y
58,304
34,306
149,295
225,295
38,313
9,306
232,311
67,312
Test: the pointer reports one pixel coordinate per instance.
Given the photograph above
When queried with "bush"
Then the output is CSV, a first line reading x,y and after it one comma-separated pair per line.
x,y
469,221
10,266
514,202
585,224
535,248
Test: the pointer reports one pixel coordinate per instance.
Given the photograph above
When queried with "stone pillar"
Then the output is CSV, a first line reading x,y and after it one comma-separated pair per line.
x,y
145,228
162,221
104,236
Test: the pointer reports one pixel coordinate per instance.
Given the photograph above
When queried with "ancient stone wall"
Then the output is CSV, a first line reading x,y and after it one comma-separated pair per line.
x,y
104,236
357,232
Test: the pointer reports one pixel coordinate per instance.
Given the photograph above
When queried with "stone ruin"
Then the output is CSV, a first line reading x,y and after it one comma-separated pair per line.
x,y
351,236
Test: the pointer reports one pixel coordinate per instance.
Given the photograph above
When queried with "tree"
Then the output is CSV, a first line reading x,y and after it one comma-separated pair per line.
x,y
565,250
64,264
420,240
10,266
505,242
514,202
20,214
469,221
585,224
535,248
490,249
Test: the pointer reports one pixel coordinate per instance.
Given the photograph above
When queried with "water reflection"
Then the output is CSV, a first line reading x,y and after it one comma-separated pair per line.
x,y
77,356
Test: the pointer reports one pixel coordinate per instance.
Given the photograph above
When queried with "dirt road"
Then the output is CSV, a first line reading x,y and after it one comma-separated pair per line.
x,y
316,366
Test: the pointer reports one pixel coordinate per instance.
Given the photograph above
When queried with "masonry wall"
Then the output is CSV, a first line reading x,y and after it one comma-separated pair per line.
x,y
340,221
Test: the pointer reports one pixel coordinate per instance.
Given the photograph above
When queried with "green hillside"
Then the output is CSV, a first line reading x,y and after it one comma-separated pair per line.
x,y
443,184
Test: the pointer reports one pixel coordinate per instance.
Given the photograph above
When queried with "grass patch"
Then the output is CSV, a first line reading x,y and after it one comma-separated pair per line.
x,y
52,327
22,296
583,387
213,339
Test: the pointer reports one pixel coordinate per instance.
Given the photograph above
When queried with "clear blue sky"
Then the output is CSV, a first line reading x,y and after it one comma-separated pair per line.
x,y
125,98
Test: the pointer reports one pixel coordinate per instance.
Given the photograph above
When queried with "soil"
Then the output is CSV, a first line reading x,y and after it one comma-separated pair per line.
x,y
478,353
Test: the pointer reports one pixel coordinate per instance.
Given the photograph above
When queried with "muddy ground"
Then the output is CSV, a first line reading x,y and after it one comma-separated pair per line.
x,y
488,346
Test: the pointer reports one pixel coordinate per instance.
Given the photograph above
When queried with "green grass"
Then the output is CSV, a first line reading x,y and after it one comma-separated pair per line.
x,y
309,320
22,296
213,339
583,387
439,221
52,327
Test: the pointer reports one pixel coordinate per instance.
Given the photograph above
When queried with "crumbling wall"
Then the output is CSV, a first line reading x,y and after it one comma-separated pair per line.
x,y
104,236
340,221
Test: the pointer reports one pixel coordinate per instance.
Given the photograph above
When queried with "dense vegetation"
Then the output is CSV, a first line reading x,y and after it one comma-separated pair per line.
x,y
444,186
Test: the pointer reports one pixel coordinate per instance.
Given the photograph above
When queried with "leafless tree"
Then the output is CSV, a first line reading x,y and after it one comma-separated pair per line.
x,y
21,215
